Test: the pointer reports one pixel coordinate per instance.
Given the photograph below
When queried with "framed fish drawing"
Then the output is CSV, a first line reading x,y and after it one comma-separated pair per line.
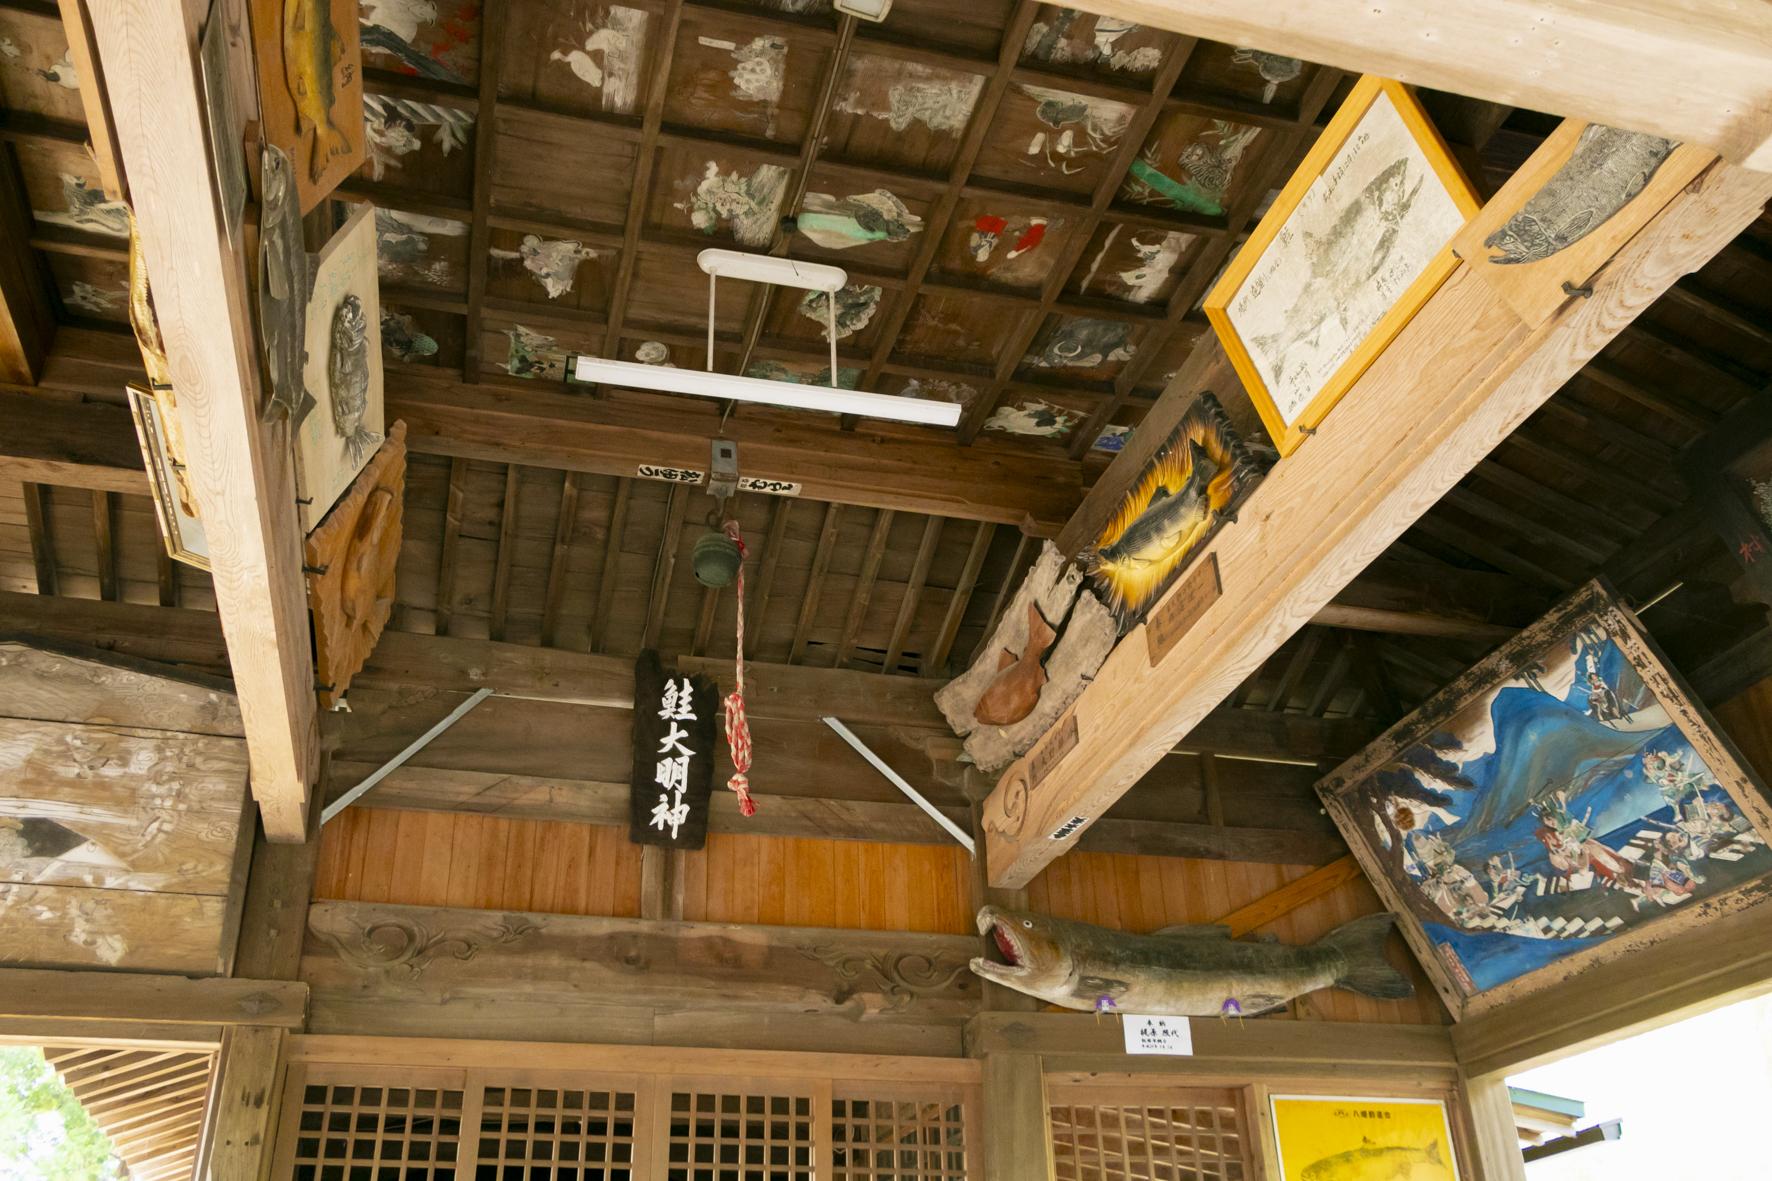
x,y
310,75
338,422
1585,191
1195,482
1355,243
1351,1138
1563,803
180,527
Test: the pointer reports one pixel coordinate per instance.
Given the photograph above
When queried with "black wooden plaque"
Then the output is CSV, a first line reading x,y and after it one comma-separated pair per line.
x,y
674,737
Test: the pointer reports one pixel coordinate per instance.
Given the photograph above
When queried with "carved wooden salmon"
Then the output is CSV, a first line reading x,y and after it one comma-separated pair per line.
x,y
311,49
1180,971
1015,692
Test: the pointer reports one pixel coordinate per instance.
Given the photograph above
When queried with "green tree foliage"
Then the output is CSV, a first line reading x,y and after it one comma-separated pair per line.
x,y
45,1135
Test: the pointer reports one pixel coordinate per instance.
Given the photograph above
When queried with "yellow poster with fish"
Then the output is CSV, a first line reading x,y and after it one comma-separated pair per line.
x,y
1332,1138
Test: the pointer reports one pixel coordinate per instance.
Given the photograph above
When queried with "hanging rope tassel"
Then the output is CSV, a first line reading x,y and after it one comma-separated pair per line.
x,y
738,728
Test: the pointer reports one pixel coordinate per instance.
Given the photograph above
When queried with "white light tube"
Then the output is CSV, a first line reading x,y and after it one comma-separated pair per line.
x,y
668,380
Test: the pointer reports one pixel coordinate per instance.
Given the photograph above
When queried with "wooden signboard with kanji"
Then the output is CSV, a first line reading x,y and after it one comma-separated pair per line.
x,y
674,738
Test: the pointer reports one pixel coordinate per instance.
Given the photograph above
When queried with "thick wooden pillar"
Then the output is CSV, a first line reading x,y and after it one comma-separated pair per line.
x,y
244,1097
1494,1142
1017,1124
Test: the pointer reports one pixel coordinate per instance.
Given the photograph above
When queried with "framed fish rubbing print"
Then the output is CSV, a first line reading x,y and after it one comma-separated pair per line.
x,y
1355,243
1350,1138
1585,191
1563,803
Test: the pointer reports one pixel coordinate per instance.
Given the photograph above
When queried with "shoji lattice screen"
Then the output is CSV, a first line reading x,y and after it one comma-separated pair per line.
x,y
1155,1133
742,1130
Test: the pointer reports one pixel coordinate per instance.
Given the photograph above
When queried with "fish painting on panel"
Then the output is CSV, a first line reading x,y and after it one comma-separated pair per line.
x,y
1189,971
1201,474
856,220
311,51
1606,171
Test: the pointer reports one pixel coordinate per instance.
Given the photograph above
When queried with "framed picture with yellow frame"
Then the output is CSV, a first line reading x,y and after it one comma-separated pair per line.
x,y
1355,243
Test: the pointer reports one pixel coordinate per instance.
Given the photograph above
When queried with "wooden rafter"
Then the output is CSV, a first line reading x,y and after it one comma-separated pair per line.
x,y
821,564
610,569
935,661
913,594
494,16
449,553
757,609
42,542
104,544
565,524
507,549
665,563
864,586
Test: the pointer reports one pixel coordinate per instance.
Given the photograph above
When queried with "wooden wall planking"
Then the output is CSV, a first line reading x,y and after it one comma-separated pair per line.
x,y
1136,893
473,861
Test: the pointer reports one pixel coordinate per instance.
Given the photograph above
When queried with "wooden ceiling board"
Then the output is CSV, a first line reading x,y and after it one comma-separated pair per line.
x,y
900,114
36,74
569,168
589,59
756,82
1052,138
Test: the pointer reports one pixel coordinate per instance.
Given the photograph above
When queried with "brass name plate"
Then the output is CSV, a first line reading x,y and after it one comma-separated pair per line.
x,y
1182,608
1052,749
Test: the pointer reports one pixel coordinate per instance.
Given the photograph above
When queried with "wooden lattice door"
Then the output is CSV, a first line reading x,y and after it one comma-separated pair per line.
x,y
382,1122
1149,1133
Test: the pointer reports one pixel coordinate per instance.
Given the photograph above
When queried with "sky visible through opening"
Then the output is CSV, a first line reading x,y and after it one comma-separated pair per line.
x,y
1696,1100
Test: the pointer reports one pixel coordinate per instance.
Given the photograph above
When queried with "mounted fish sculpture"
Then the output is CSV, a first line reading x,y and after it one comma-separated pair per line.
x,y
1605,173
347,375
1015,692
1188,971
312,48
282,285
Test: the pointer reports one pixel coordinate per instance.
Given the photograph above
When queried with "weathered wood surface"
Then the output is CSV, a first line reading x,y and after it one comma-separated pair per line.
x,y
1698,71
61,684
1018,1133
248,1093
161,811
128,998
487,973
1319,519
77,926
240,470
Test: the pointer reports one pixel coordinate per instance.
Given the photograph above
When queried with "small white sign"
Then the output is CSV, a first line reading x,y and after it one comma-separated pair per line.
x,y
772,487
671,475
1158,1035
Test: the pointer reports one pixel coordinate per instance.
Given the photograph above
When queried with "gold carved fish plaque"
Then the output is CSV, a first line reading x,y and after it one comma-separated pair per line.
x,y
310,73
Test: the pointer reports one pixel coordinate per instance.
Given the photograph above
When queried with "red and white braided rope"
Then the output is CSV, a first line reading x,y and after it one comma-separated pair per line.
x,y
738,728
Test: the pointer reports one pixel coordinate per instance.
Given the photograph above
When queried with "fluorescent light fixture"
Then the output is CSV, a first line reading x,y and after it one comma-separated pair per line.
x,y
867,10
768,268
667,380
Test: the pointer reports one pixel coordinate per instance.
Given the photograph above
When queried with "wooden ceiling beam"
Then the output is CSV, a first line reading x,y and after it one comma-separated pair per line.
x,y
664,565
565,524
1457,380
42,543
104,543
610,570
499,608
191,639
70,444
935,661
506,420
241,470
1612,61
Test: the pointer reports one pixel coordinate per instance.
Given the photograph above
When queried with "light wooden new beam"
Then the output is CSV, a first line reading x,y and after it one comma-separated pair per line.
x,y
1461,376
1698,70
241,472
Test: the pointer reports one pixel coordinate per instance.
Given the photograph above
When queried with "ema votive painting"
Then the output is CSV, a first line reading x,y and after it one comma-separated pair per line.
x,y
1355,243
1553,803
